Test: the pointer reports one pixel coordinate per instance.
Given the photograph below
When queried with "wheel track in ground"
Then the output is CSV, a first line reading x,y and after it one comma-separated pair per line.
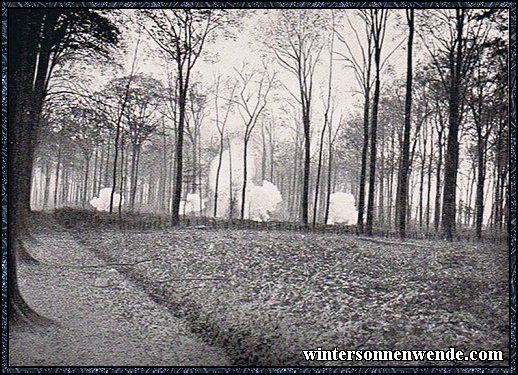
x,y
230,340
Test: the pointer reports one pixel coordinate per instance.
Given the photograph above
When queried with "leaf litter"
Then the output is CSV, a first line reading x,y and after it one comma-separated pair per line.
x,y
266,296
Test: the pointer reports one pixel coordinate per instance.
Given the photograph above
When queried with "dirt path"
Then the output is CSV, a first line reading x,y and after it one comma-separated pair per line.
x,y
103,320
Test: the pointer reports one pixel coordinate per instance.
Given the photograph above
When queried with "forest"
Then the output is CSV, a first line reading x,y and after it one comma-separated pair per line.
x,y
330,106
373,122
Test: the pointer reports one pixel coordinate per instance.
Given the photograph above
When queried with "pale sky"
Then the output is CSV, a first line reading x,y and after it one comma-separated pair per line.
x,y
225,55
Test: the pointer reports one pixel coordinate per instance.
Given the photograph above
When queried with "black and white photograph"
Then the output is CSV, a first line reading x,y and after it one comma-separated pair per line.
x,y
269,186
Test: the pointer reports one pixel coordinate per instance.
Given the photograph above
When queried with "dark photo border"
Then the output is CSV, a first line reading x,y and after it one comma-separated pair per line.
x,y
512,153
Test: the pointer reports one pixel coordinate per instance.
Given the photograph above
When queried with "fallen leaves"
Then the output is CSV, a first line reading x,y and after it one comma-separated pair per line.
x,y
266,296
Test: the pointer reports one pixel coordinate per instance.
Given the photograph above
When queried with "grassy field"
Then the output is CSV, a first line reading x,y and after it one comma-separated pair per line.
x,y
264,296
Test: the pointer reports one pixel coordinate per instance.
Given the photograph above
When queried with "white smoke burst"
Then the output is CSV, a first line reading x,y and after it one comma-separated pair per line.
x,y
260,200
102,202
342,209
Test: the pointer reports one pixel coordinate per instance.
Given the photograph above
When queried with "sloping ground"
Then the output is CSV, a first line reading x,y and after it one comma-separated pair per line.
x,y
265,296
100,318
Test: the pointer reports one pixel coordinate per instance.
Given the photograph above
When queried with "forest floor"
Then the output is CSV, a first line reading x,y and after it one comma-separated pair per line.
x,y
196,296
99,318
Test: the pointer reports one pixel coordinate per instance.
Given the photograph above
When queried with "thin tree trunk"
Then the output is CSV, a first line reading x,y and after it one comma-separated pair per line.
x,y
119,123
379,25
319,168
85,184
327,120
94,177
481,177
429,183
307,161
363,170
329,180
218,172
438,186
245,176
47,186
381,201
373,154
231,191
403,175
56,181
124,172
263,155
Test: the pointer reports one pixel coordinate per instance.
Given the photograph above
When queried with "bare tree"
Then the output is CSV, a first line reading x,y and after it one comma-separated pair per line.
x,y
142,120
297,41
221,125
362,68
327,119
121,107
253,90
182,34
379,25
453,42
402,186
484,102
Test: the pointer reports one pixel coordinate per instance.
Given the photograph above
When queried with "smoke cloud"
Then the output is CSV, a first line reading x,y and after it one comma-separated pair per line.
x,y
342,208
260,200
102,202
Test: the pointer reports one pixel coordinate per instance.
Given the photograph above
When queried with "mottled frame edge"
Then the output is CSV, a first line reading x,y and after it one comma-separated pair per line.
x,y
512,153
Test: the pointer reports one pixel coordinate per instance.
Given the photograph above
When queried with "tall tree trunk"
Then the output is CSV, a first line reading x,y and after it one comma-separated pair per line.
x,y
123,174
56,181
177,194
329,181
26,95
293,195
381,200
135,159
365,150
162,185
379,20
327,120
421,191
231,191
85,183
373,153
263,154
438,171
46,193
481,177
319,168
118,123
402,186
200,187
218,173
115,160
471,184
245,177
391,183
452,148
133,185
272,157
307,161
107,167
429,183
94,177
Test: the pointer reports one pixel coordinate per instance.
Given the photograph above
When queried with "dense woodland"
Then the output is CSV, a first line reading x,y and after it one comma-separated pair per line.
x,y
421,141
423,147
157,144
262,115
